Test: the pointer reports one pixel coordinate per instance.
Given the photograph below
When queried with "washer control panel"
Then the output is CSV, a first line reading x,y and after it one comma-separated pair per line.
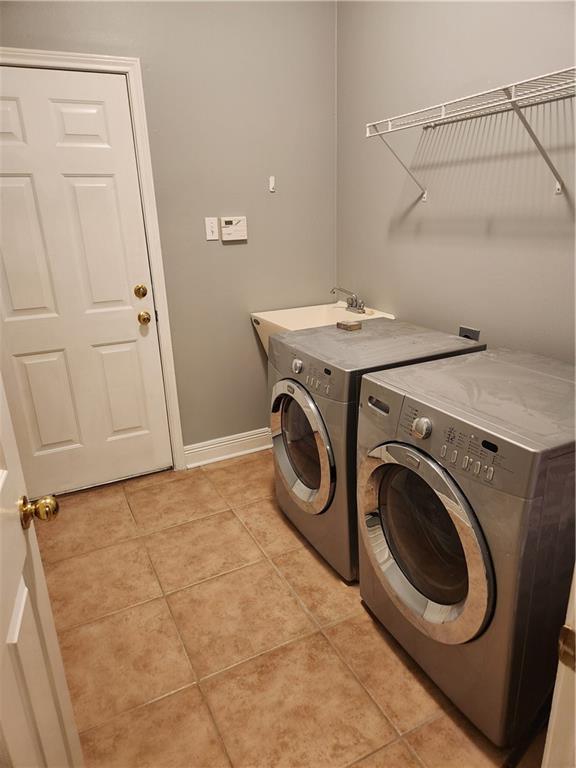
x,y
464,449
315,378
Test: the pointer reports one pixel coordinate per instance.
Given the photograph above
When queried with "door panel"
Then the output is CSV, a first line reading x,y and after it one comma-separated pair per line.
x,y
125,388
45,380
36,721
83,378
27,657
11,130
80,123
27,283
94,202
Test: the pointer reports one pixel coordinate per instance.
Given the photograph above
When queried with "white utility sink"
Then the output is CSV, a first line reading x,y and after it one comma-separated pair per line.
x,y
280,320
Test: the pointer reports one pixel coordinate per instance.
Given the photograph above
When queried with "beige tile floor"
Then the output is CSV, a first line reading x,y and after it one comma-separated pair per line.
x,y
199,630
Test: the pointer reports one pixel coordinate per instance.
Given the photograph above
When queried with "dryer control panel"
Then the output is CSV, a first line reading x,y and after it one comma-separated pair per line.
x,y
319,379
464,449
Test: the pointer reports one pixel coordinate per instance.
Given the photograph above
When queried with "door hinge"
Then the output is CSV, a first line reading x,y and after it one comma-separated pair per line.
x,y
566,647
156,314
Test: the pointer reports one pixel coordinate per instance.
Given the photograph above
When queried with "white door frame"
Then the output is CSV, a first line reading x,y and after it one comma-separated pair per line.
x,y
130,68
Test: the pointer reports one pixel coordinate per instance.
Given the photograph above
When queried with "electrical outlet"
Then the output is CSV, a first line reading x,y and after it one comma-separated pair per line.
x,y
469,333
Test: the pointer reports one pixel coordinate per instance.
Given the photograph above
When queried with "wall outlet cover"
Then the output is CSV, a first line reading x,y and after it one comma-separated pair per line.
x,y
469,333
211,226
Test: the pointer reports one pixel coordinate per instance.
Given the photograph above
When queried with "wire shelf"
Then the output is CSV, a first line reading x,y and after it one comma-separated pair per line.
x,y
514,97
526,93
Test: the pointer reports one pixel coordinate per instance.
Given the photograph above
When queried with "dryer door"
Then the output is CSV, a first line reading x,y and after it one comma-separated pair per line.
x,y
302,452
424,543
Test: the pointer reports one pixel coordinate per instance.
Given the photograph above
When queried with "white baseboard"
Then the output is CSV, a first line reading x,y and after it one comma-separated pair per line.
x,y
227,447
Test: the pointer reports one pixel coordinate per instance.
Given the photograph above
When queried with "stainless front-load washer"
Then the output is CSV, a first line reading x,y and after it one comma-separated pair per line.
x,y
314,379
466,519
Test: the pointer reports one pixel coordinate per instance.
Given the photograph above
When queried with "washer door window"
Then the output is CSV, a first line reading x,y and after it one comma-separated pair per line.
x,y
302,449
425,544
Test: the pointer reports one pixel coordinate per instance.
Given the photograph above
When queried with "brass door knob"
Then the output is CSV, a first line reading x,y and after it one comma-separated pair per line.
x,y
140,291
144,318
45,508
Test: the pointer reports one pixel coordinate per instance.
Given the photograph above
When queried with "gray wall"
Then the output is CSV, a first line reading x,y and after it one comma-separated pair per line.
x,y
493,247
238,91
234,92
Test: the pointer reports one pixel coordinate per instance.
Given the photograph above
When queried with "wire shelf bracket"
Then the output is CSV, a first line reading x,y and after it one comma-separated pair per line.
x,y
514,97
423,190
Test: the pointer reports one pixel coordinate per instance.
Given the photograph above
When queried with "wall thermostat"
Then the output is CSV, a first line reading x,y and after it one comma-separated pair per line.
x,y
234,228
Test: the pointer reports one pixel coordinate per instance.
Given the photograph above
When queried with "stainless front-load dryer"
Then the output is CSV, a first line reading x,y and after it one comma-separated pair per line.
x,y
314,379
466,519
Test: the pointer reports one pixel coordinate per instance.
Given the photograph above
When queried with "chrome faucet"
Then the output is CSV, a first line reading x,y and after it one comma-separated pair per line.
x,y
354,303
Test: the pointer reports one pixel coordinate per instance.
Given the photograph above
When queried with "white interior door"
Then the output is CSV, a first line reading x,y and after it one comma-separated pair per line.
x,y
36,722
560,750
83,377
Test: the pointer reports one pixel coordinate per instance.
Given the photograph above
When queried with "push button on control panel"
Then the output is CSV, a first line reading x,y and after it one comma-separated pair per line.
x,y
454,457
443,451
489,473
465,462
476,467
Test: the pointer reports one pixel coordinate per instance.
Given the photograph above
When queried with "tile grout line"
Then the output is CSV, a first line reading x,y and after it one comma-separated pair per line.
x,y
196,675
197,682
215,724
401,738
169,592
127,711
214,487
393,741
127,500
86,623
364,687
194,671
306,610
413,752
182,643
239,663
137,537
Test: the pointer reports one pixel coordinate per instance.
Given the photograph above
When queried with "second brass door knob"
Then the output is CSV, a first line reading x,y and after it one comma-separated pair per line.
x,y
144,318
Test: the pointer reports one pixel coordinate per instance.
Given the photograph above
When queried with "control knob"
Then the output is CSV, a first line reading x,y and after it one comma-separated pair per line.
x,y
297,365
422,427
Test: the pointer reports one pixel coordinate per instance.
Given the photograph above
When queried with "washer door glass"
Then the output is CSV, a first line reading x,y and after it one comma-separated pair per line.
x,y
423,539
302,451
300,444
424,543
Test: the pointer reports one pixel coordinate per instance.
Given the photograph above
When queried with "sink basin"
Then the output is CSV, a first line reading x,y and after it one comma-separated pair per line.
x,y
280,320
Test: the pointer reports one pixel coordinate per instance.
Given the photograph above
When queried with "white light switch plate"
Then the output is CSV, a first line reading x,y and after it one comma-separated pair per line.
x,y
234,228
211,224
